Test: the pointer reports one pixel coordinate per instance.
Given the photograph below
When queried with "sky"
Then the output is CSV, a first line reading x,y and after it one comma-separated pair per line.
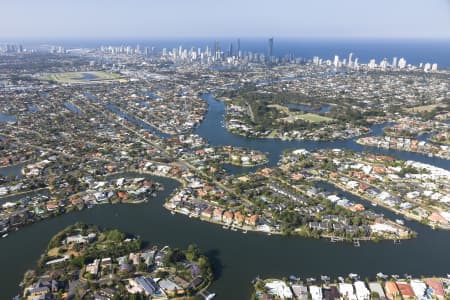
x,y
107,19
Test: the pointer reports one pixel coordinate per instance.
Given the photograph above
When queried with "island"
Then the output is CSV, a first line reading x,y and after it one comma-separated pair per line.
x,y
87,262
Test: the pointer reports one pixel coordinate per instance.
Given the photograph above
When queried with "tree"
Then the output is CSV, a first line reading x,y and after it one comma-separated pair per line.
x,y
192,252
115,235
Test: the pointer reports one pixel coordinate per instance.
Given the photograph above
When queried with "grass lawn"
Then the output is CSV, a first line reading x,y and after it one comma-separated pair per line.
x,y
423,108
309,117
293,116
314,118
80,77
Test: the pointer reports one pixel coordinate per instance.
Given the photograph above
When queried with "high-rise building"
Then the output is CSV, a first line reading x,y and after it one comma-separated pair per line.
x,y
238,50
402,63
270,49
394,62
316,60
350,62
383,64
230,50
216,50
336,61
434,67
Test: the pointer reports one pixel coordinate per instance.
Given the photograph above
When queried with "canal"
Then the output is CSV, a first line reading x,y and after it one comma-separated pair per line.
x,y
238,258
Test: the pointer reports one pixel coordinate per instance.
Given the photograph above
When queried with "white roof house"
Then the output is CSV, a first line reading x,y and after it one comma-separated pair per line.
x,y
346,290
419,288
375,287
362,293
280,289
316,292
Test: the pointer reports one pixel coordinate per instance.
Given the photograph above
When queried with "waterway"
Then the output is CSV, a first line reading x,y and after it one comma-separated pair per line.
x,y
7,118
213,129
70,106
237,258
138,122
13,171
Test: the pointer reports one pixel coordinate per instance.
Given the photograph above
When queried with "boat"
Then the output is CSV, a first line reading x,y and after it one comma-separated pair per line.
x,y
336,239
5,235
399,221
356,243
353,276
210,296
172,212
382,276
374,204
245,231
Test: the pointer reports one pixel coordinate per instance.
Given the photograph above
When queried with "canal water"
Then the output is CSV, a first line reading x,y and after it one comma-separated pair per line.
x,y
4,118
13,171
238,257
213,129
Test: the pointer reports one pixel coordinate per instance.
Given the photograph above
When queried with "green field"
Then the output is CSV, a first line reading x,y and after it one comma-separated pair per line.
x,y
309,117
81,77
314,118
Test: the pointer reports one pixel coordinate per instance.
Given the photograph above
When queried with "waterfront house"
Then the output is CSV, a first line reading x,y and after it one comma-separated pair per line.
x,y
252,220
419,288
436,287
300,291
207,212
346,290
377,289
362,293
217,214
392,290
406,290
238,218
170,288
228,217
280,289
316,292
330,293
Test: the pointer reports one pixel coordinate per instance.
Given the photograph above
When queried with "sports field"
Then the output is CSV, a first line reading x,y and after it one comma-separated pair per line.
x,y
81,77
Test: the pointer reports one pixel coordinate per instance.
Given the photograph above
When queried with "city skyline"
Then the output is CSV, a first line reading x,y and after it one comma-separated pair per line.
x,y
50,19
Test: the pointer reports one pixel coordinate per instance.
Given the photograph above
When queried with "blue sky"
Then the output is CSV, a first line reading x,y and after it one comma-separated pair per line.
x,y
44,19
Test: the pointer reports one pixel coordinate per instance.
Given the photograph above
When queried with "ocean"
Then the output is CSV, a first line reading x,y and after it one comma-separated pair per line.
x,y
414,51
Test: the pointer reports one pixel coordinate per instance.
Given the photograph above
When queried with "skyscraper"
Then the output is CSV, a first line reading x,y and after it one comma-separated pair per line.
x,y
238,50
394,62
270,50
336,61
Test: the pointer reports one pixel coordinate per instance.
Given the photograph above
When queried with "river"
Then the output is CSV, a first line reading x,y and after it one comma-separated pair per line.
x,y
237,258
